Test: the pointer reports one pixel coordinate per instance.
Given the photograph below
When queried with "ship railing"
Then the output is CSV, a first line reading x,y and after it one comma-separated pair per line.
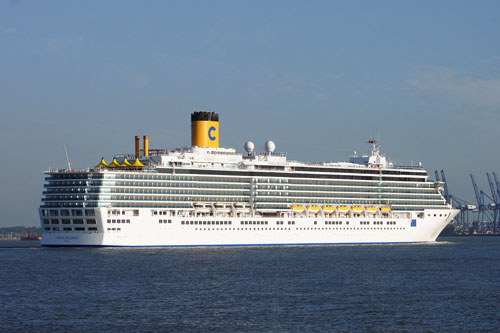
x,y
407,167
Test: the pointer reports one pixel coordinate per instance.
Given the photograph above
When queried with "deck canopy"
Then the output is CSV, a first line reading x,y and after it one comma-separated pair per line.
x,y
102,164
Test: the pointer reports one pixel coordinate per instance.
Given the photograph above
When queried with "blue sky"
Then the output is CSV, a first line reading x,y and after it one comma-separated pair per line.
x,y
317,77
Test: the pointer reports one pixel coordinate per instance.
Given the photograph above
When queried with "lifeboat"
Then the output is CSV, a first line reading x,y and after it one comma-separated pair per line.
x,y
371,209
312,208
241,205
385,209
201,206
357,209
222,207
297,208
328,209
342,208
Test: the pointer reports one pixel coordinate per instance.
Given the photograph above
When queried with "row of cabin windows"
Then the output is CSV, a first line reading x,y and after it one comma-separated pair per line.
x,y
68,221
165,221
66,212
207,222
271,229
253,222
117,221
161,212
377,222
70,229
134,212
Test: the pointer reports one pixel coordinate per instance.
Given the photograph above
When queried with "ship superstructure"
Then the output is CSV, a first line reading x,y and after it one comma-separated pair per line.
x,y
204,195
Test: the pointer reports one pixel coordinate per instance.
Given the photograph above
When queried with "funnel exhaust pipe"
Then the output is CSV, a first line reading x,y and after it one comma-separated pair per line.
x,y
137,146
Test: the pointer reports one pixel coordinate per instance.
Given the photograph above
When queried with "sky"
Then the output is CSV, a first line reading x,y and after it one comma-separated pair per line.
x,y
318,78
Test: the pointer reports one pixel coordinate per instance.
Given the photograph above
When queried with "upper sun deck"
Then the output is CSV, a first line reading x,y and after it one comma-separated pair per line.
x,y
229,159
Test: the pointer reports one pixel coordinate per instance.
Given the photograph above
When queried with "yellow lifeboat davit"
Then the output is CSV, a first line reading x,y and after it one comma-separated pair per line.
x,y
114,164
102,164
297,208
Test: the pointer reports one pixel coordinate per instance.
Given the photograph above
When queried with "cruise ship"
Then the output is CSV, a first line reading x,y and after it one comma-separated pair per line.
x,y
205,195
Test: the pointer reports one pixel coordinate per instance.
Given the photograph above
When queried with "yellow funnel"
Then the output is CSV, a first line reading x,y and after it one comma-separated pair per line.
x,y
205,129
137,145
146,145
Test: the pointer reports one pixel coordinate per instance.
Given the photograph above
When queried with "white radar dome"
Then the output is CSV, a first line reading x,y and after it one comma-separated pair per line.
x,y
270,146
249,146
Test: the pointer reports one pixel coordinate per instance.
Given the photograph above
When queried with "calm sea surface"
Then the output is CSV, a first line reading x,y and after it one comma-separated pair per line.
x,y
452,285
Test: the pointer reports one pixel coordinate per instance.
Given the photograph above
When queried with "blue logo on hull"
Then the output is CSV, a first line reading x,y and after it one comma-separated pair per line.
x,y
413,223
210,130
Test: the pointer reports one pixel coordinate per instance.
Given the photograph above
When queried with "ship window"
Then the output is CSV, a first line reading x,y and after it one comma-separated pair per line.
x,y
44,212
128,221
54,213
79,229
67,229
109,221
55,229
47,229
66,221
54,221
91,221
113,221
46,221
64,212
77,221
75,212
92,229
89,212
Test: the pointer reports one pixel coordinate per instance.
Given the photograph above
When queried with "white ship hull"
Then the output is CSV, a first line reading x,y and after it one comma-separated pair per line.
x,y
146,231
205,195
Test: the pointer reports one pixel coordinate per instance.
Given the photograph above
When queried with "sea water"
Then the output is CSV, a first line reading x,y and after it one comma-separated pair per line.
x,y
451,285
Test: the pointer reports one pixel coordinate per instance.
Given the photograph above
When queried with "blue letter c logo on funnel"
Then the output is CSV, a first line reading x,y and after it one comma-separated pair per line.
x,y
210,130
